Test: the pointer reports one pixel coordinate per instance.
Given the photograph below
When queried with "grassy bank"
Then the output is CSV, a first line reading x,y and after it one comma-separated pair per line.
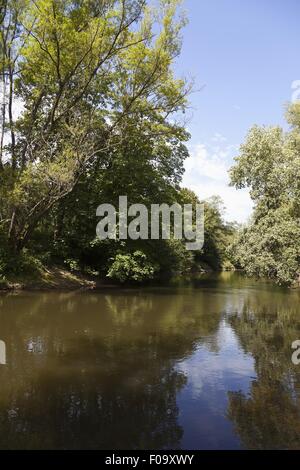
x,y
54,278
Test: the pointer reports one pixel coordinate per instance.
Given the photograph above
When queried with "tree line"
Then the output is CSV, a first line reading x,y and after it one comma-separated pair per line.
x,y
91,109
269,165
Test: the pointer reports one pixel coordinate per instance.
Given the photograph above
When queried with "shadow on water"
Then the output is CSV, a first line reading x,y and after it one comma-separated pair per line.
x,y
177,367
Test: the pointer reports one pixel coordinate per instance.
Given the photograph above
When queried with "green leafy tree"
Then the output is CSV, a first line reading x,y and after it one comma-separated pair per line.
x,y
269,164
83,71
135,267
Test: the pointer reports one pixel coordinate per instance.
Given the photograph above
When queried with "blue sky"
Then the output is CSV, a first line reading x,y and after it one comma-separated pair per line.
x,y
245,55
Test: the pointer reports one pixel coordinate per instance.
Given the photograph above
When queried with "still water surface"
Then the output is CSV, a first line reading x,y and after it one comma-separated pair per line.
x,y
199,366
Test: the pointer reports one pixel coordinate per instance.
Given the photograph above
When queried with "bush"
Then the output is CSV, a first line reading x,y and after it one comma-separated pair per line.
x,y
72,265
18,264
172,257
132,267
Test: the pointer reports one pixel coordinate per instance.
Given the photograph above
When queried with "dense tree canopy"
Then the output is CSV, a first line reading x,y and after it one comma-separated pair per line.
x,y
91,110
269,164
86,73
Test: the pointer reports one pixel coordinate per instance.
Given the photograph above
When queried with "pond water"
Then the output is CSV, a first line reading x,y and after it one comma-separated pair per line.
x,y
204,365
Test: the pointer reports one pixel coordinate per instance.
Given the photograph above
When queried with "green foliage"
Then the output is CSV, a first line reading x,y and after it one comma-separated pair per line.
x,y
270,247
132,267
21,265
100,99
218,234
269,164
72,264
96,82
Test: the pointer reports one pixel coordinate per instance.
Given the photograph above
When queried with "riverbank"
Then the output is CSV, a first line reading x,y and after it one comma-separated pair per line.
x,y
51,279
58,278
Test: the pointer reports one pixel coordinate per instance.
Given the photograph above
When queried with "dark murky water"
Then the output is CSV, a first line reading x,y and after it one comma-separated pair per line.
x,y
206,366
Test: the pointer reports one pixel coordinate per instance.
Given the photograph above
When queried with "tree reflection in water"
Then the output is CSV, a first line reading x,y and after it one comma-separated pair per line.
x,y
153,368
95,371
269,417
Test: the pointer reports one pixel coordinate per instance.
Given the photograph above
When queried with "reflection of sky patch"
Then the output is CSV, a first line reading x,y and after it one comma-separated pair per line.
x,y
212,372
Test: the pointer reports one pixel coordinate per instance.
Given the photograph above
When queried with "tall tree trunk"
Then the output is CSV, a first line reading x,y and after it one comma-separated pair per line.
x,y
11,119
3,114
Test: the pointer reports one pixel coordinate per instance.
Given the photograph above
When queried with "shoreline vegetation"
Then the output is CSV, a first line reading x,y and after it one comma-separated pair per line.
x,y
60,279
102,114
